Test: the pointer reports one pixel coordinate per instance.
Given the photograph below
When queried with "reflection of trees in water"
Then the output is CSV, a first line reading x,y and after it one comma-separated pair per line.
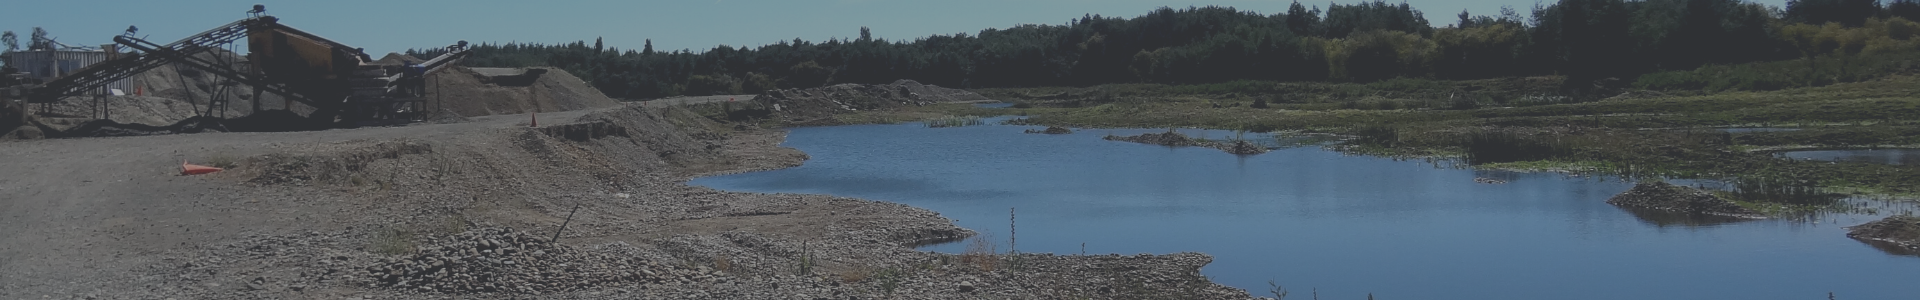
x,y
1664,218
1784,191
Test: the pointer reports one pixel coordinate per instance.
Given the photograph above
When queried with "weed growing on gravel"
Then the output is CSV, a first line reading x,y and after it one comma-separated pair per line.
x,y
856,274
392,242
981,253
452,224
1279,292
805,261
720,262
889,281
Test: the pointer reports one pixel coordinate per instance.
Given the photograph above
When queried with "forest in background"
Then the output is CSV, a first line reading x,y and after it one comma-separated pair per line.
x,y
1585,40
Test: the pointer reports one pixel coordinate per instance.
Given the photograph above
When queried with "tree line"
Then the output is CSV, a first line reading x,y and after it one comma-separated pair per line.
x,y
1367,41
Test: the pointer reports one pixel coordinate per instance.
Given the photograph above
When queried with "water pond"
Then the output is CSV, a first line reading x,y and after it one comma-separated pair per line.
x,y
1309,218
1907,157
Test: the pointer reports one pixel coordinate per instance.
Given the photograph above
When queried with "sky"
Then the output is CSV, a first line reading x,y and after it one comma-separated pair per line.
x,y
397,25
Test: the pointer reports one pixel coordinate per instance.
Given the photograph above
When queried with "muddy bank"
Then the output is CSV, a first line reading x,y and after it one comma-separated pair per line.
x,y
1176,139
1662,196
470,210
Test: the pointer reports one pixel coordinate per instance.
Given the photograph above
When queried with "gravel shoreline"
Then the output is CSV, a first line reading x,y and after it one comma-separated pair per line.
x,y
470,210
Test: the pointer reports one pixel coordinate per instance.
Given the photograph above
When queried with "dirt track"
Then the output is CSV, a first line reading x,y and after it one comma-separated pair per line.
x,y
417,211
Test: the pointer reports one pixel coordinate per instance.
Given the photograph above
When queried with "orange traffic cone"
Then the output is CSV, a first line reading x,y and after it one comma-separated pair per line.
x,y
533,119
193,169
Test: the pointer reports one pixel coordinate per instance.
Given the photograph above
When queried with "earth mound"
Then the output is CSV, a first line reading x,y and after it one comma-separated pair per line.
x,y
816,106
1170,139
1052,130
1176,139
1664,196
1898,231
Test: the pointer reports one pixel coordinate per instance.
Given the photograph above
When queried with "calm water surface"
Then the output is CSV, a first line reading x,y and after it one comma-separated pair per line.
x,y
1349,225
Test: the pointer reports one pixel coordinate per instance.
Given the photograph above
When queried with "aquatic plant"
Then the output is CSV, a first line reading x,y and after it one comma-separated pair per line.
x,y
981,253
954,121
1783,192
1490,146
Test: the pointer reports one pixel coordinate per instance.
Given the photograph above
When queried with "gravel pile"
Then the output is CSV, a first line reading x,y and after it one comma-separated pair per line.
x,y
510,261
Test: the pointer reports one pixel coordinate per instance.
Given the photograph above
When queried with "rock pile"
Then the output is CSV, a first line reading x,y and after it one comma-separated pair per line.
x,y
504,260
1176,139
1668,197
1901,231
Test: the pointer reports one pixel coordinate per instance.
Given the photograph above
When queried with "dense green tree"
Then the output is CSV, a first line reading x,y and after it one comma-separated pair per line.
x,y
1845,12
1366,41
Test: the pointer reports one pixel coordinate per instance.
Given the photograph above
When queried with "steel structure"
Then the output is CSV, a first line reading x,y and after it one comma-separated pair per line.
x,y
339,80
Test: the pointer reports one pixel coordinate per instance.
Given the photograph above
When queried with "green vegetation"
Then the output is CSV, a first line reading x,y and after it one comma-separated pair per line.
x,y
954,121
1636,135
1593,43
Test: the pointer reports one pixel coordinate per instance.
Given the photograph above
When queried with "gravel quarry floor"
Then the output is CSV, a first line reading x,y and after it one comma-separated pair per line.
x,y
469,210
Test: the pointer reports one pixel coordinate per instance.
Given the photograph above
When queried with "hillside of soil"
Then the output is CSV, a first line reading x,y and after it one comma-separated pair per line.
x,y
464,92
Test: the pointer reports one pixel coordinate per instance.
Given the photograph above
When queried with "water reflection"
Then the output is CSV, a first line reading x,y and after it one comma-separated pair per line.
x,y
1663,218
1305,216
1889,248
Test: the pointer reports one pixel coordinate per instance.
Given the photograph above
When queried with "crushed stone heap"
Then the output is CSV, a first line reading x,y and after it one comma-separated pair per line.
x,y
505,260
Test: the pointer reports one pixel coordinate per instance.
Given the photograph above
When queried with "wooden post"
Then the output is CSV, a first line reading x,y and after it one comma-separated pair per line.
x,y
563,224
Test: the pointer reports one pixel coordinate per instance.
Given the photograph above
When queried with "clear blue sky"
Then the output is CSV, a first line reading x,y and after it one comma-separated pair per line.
x,y
396,25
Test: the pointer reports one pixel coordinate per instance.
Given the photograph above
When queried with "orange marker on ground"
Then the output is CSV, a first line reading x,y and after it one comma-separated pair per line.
x,y
193,169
